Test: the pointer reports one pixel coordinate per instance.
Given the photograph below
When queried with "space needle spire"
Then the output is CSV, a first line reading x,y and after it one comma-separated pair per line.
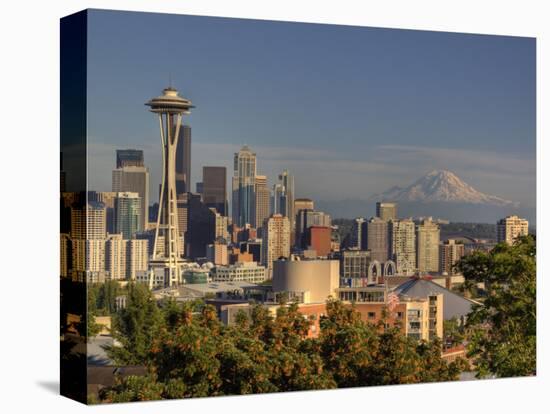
x,y
170,108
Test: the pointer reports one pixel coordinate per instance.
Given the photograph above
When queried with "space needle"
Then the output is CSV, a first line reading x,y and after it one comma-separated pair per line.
x,y
167,262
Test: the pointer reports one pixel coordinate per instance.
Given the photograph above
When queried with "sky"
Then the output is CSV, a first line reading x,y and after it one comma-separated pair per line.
x,y
350,111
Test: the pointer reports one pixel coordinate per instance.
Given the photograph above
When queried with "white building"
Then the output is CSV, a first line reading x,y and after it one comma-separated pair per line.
x,y
240,272
510,228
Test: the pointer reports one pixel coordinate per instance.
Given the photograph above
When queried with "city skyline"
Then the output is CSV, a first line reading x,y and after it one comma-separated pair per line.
x,y
469,118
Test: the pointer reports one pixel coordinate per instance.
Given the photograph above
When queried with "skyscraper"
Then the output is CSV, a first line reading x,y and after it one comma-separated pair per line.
x,y
450,252
88,234
129,158
402,242
214,188
283,199
244,180
183,160
261,210
386,211
201,227
134,179
510,228
377,239
275,240
127,214
427,246
170,108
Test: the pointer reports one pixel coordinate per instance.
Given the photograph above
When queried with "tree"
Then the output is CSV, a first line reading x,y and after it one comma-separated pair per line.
x,y
502,331
135,327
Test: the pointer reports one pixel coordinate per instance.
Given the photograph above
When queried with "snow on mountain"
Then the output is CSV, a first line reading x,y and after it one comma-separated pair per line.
x,y
441,186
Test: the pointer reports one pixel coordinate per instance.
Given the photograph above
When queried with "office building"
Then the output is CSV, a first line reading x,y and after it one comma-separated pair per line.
x,y
127,214
402,241
386,211
214,188
183,160
275,239
129,158
201,228
377,239
427,246
283,198
134,179
450,252
261,211
510,228
244,182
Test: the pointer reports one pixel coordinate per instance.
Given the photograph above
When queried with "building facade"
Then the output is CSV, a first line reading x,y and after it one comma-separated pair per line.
x,y
244,181
402,242
214,188
386,211
135,180
450,252
510,228
275,240
427,246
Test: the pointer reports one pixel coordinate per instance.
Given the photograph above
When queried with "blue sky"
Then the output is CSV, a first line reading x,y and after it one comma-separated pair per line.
x,y
350,111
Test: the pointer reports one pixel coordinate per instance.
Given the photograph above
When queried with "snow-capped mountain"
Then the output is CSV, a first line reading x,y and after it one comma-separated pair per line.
x,y
441,186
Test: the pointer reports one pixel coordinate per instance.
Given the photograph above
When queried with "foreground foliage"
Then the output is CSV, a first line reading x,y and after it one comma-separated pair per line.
x,y
189,353
502,331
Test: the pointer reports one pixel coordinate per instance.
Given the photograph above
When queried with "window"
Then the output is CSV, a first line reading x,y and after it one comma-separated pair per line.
x,y
371,315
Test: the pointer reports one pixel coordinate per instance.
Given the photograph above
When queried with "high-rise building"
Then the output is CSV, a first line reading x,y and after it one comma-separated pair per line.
x,y
115,256
214,188
244,181
303,204
358,233
201,227
125,258
427,246
304,220
88,234
129,158
319,238
275,239
222,224
402,242
261,211
127,214
283,199
108,199
510,228
377,239
134,179
137,257
386,211
183,160
450,252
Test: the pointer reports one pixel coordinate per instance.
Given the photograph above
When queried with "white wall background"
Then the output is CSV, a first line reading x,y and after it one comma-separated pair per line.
x,y
29,70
